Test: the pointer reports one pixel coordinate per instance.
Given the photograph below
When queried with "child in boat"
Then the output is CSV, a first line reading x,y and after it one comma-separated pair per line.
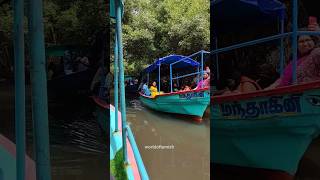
x,y
145,89
153,89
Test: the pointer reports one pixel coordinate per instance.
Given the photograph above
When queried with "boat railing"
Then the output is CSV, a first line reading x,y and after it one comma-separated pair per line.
x,y
294,35
119,77
250,43
186,75
202,52
142,170
39,89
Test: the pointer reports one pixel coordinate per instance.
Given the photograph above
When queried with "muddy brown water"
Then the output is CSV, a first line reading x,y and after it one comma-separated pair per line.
x,y
189,154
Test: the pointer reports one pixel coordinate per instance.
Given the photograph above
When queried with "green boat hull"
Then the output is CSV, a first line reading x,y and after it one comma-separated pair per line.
x,y
187,103
271,132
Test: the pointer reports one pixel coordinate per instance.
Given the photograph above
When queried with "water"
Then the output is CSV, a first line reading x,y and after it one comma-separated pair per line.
x,y
310,164
190,158
78,150
78,147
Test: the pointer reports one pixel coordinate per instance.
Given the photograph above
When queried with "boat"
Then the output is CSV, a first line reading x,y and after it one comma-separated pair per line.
x,y
267,129
131,85
8,161
71,85
192,102
75,84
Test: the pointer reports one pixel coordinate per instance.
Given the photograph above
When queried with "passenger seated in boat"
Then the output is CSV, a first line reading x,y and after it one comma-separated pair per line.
x,y
239,83
207,70
175,87
230,88
247,85
183,87
308,62
54,67
194,82
165,85
67,60
266,74
187,88
145,89
205,83
153,89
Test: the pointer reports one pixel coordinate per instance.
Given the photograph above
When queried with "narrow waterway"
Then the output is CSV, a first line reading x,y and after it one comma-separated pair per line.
x,y
187,155
78,147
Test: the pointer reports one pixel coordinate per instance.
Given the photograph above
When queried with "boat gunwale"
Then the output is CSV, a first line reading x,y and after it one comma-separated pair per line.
x,y
100,102
264,93
59,77
173,93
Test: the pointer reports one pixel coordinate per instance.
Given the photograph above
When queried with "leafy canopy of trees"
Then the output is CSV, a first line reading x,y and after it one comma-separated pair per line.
x,y
156,28
65,22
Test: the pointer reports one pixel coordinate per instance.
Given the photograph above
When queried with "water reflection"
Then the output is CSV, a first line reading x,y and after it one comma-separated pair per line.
x,y
78,145
78,148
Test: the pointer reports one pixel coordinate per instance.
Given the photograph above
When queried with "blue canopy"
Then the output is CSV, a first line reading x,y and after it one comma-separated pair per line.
x,y
171,59
230,15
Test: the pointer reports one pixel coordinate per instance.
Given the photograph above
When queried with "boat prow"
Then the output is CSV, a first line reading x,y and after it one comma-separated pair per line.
x,y
8,161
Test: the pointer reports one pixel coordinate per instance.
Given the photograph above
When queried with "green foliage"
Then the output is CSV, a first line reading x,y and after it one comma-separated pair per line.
x,y
117,166
6,20
156,28
73,22
65,22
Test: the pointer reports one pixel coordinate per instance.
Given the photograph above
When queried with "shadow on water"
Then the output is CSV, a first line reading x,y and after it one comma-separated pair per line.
x,y
78,147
